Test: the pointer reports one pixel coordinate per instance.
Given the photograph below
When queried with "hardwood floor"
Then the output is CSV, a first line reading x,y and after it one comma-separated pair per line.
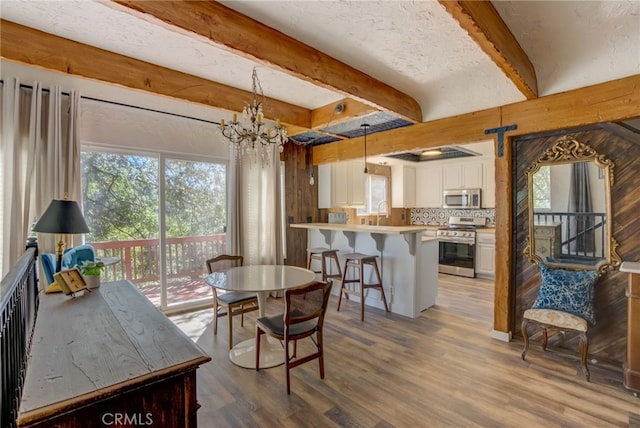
x,y
441,369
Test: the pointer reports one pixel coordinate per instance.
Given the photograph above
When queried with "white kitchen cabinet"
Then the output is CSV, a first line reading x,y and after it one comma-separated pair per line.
x,y
429,186
485,254
462,175
488,196
348,183
323,181
403,186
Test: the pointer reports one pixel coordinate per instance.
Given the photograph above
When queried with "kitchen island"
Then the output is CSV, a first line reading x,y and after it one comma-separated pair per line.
x,y
408,261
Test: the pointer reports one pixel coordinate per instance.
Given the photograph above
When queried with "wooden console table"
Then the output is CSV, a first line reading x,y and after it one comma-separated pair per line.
x,y
109,357
632,365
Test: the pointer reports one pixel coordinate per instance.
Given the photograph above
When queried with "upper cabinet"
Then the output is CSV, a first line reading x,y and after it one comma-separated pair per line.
x,y
429,186
434,177
462,175
403,186
341,184
344,186
324,182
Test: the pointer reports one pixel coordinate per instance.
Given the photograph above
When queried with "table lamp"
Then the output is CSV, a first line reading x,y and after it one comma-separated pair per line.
x,y
62,216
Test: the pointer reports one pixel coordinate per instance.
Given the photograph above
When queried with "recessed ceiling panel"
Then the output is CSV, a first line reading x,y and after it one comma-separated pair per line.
x,y
449,152
377,122
313,138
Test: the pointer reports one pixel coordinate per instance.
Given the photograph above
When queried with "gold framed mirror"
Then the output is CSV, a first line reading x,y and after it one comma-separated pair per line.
x,y
570,221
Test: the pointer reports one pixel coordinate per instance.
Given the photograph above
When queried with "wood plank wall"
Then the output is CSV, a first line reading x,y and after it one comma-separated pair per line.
x,y
301,200
608,337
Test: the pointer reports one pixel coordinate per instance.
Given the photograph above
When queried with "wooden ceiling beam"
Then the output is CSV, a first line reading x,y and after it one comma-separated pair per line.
x,y
32,47
247,37
332,114
485,26
616,100
465,128
339,112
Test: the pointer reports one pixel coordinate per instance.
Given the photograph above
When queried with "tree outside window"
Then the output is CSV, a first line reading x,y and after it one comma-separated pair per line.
x,y
542,189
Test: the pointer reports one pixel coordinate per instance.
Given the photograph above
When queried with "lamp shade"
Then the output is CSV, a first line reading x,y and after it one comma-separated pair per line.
x,y
62,216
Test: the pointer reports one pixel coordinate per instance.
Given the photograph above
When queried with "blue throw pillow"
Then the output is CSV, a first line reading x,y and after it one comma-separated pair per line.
x,y
568,291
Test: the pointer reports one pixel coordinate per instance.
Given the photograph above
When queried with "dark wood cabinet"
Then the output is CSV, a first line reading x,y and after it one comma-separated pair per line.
x,y
109,358
632,363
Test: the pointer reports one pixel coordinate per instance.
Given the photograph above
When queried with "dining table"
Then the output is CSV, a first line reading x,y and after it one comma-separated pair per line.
x,y
262,280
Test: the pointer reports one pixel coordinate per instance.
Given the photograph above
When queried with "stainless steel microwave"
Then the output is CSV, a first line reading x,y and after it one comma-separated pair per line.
x,y
461,198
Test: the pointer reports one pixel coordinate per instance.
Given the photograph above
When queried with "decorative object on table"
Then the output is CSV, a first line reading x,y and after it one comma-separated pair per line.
x,y
234,302
71,281
252,137
305,308
91,271
62,217
71,258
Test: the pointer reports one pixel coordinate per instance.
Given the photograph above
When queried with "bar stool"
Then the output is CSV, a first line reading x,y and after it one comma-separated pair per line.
x,y
357,261
324,255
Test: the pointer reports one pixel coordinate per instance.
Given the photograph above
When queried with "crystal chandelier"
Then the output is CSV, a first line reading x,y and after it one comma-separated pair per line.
x,y
251,136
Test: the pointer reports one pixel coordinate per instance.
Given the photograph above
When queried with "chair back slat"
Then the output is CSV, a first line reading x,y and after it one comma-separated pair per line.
x,y
223,263
306,303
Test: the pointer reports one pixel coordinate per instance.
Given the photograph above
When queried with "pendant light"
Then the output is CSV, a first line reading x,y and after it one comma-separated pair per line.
x,y
365,126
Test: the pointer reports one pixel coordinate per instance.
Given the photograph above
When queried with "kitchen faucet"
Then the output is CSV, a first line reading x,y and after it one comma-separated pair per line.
x,y
378,212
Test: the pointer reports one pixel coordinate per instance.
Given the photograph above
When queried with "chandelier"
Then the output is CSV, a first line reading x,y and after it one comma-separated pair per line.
x,y
251,136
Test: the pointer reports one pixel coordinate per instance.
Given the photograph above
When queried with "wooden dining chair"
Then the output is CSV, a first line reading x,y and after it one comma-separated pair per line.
x,y
233,302
305,308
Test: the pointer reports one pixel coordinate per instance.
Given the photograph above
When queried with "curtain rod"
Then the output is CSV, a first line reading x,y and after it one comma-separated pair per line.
x,y
22,85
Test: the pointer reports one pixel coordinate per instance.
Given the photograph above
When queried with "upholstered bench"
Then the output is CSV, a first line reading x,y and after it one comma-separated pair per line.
x,y
565,303
562,321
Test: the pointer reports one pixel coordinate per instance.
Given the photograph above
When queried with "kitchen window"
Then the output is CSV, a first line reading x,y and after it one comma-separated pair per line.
x,y
375,192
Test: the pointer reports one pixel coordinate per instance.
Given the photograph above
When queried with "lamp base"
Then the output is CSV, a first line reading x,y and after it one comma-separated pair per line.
x,y
59,254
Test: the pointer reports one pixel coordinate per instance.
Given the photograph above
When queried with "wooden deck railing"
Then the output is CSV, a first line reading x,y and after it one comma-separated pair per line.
x,y
577,230
140,258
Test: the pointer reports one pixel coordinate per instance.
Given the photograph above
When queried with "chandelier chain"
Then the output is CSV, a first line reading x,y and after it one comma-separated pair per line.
x,y
251,137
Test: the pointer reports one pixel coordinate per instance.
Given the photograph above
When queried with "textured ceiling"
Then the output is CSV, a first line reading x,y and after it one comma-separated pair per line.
x,y
413,46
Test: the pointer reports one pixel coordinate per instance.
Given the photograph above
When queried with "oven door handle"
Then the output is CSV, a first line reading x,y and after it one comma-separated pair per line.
x,y
455,241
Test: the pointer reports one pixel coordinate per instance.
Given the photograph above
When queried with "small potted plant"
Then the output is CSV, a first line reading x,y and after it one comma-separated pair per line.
x,y
91,271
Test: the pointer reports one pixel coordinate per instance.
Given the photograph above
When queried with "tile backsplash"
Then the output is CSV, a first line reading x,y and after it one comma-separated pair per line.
x,y
440,216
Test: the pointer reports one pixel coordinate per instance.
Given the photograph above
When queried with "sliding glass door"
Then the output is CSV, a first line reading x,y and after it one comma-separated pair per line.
x,y
161,217
195,221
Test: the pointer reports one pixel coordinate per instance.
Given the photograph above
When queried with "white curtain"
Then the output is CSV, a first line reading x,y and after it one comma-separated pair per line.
x,y
40,161
255,210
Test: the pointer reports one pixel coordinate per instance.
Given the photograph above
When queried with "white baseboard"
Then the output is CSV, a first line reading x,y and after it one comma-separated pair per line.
x,y
501,335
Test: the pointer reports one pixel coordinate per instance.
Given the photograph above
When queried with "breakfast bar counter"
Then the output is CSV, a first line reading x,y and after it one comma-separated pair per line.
x,y
367,228
408,261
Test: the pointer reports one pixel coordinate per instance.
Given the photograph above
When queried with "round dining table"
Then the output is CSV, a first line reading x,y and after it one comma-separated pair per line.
x,y
262,280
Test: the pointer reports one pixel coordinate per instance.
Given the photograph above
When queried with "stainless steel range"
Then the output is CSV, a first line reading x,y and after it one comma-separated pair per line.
x,y
457,243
